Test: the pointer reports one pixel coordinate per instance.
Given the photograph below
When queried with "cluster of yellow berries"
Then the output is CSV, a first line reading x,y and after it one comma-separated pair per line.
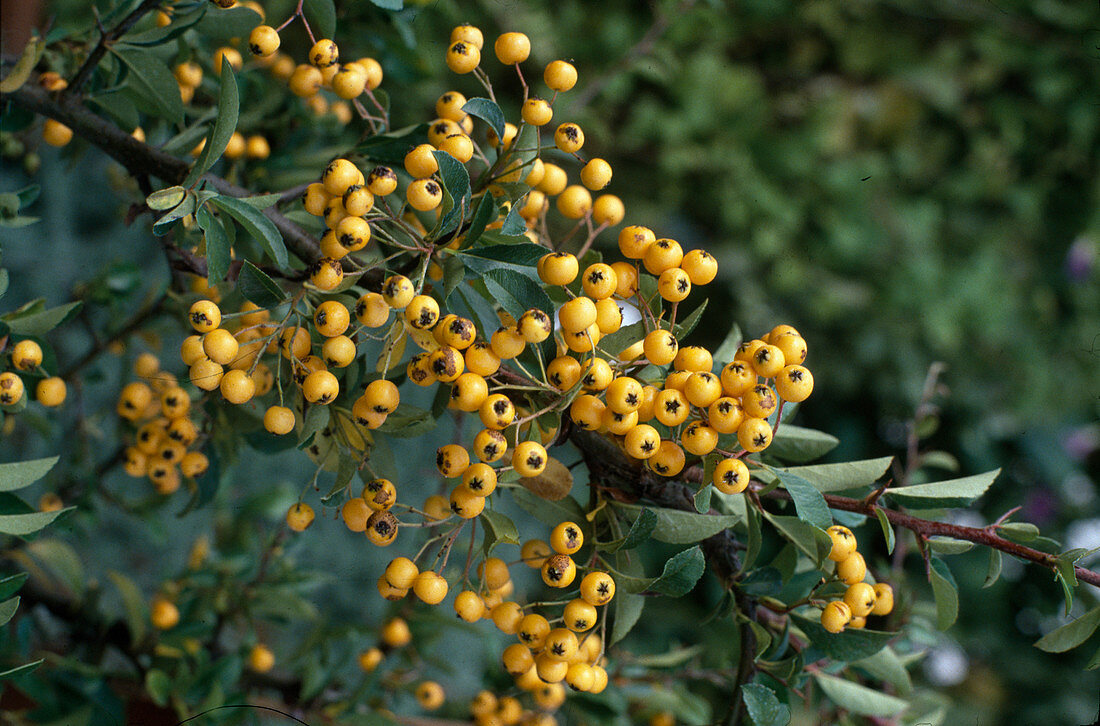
x,y
26,360
161,413
861,599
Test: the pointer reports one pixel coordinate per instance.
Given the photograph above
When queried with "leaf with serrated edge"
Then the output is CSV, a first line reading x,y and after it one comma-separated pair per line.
x,y
763,706
845,475
677,526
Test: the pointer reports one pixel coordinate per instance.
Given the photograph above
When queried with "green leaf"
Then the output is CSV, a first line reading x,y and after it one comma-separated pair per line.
x,y
38,322
887,529
763,706
408,421
221,24
21,670
391,147
994,571
484,212
1019,531
315,421
23,473
849,646
258,288
7,609
24,524
951,493
547,512
456,182
886,666
158,685
622,338
839,477
688,324
498,529
165,199
225,123
489,112
680,573
701,498
133,602
389,4
1071,634
628,606
24,66
172,218
217,246
321,15
516,293
150,78
797,444
522,257
808,501
859,699
639,533
946,593
61,561
158,36
949,545
809,538
10,585
256,224
677,526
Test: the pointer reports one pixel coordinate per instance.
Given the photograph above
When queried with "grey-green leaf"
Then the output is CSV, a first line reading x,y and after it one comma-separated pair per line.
x,y
677,526
850,645
951,493
257,287
763,706
217,246
639,533
859,699
257,224
489,112
41,322
844,475
151,79
798,444
946,593
500,527
225,123
1071,634
24,473
808,501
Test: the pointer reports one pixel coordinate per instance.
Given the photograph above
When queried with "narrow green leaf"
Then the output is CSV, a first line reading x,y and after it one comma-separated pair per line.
x,y
797,444
514,224
516,293
845,475
7,609
812,540
21,670
946,593
701,498
258,288
315,421
489,112
951,493
164,199
523,257
628,606
224,125
40,322
133,602
456,183
688,324
885,665
994,571
622,339
24,524
219,24
728,347
23,473
158,685
217,246
1071,634
859,699
677,526
149,77
408,421
10,585
160,35
389,4
639,533
887,530
763,706
808,501
484,213
171,218
257,224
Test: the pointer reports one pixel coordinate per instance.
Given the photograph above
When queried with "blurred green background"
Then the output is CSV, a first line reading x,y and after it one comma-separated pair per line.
x,y
904,182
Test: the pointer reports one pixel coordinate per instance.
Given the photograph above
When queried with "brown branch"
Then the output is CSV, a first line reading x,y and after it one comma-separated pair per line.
x,y
105,40
140,158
